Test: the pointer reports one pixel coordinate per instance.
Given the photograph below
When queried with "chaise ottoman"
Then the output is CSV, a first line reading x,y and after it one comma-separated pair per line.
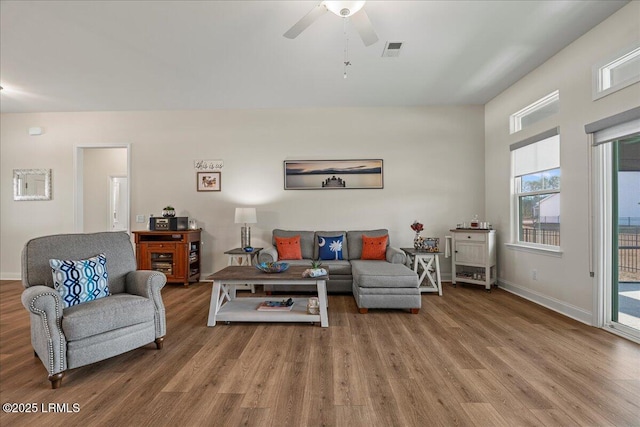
x,y
385,285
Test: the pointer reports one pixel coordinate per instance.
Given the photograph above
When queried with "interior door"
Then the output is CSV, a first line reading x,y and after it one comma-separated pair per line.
x,y
118,203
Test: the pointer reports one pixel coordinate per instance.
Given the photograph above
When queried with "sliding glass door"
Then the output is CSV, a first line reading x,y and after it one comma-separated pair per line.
x,y
625,281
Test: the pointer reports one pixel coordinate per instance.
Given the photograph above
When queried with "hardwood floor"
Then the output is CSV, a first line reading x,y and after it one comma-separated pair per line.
x,y
468,358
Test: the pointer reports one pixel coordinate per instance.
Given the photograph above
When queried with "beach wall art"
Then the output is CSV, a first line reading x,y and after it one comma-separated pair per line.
x,y
333,174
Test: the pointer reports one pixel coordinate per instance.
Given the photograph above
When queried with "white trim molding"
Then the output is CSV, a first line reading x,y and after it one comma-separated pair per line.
x,y
554,304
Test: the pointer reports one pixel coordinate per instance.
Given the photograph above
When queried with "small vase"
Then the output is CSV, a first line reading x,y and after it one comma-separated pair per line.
x,y
417,241
168,213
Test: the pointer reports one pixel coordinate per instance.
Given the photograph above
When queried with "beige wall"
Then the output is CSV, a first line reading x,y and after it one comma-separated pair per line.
x,y
433,170
563,282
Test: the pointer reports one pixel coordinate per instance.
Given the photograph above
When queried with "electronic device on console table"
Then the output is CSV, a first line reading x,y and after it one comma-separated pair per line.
x,y
175,223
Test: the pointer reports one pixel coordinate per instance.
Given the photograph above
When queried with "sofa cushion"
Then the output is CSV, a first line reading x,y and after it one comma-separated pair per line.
x,y
354,240
374,247
330,247
288,247
307,240
382,274
325,234
80,281
106,314
337,267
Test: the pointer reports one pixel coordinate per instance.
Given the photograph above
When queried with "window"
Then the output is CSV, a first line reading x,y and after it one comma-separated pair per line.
x,y
614,74
536,190
535,112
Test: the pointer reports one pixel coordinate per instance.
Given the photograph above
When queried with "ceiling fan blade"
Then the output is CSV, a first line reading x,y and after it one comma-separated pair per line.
x,y
363,26
306,20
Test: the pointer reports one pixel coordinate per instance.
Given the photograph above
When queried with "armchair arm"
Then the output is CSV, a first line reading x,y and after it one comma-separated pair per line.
x,y
148,284
269,254
396,256
45,310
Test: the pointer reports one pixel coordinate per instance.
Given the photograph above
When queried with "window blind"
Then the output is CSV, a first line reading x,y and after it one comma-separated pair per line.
x,y
615,127
537,156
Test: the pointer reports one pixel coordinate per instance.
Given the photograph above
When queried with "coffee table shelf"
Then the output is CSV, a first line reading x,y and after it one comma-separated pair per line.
x,y
245,310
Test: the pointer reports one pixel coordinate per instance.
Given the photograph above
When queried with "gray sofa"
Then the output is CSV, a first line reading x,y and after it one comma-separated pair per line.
x,y
131,316
374,284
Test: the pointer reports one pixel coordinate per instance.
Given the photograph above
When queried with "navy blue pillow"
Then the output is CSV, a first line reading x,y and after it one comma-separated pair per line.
x,y
330,247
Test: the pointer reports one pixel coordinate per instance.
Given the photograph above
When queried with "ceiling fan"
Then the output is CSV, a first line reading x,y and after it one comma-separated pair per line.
x,y
344,9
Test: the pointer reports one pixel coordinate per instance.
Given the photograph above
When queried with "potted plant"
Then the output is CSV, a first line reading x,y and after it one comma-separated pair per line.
x,y
168,211
316,270
315,264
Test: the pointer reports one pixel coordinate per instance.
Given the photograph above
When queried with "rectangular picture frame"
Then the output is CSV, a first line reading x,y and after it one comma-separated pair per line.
x,y
208,181
432,244
333,174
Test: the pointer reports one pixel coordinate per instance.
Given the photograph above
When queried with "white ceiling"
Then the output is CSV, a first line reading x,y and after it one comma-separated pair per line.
x,y
164,55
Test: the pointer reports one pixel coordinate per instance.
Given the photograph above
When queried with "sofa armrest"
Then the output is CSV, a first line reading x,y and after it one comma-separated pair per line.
x,y
148,284
45,307
395,255
269,254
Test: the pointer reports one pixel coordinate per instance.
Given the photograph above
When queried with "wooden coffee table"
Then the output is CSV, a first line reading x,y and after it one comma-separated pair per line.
x,y
225,307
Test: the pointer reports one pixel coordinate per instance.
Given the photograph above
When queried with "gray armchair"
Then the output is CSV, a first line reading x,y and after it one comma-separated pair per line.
x,y
65,338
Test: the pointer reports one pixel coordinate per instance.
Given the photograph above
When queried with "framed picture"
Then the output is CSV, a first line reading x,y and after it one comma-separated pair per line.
x,y
332,174
208,181
432,244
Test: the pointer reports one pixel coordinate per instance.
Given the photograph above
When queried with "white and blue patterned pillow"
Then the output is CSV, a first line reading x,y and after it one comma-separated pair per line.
x,y
330,247
80,281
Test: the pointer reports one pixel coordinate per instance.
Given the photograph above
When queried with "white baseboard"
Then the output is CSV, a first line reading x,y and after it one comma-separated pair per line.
x,y
10,276
556,305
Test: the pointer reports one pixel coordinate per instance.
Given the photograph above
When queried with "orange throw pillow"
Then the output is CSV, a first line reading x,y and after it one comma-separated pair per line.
x,y
288,247
374,247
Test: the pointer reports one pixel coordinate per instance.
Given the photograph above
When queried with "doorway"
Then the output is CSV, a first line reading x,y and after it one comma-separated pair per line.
x,y
99,172
625,283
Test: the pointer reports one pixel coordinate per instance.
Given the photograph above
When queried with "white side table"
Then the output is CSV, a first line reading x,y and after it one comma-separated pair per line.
x,y
427,265
238,256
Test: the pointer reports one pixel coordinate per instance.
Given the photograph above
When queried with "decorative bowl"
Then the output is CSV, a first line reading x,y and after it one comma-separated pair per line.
x,y
248,249
272,267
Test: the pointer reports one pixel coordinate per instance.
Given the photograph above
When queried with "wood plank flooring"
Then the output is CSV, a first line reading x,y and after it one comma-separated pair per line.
x,y
469,358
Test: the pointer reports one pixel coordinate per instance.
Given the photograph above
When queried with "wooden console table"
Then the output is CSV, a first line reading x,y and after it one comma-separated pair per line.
x,y
174,253
225,307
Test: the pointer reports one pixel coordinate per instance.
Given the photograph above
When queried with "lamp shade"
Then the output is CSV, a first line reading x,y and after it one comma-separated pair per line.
x,y
246,216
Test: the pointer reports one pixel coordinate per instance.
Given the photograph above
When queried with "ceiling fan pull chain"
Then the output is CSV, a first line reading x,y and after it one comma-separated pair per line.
x,y
346,49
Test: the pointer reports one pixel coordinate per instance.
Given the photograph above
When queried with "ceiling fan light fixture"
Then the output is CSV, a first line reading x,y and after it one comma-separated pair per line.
x,y
344,9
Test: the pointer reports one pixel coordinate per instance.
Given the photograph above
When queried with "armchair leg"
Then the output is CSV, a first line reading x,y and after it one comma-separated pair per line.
x,y
363,310
56,380
159,342
414,310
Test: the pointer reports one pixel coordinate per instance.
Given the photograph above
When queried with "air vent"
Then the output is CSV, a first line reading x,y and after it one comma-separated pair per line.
x,y
391,49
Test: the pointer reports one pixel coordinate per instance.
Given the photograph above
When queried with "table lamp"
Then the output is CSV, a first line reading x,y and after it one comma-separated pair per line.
x,y
245,216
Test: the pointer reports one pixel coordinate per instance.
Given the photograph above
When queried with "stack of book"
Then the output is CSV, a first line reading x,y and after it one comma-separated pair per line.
x,y
284,305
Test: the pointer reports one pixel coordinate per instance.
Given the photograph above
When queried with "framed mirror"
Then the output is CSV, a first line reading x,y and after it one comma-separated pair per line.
x,y
32,184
